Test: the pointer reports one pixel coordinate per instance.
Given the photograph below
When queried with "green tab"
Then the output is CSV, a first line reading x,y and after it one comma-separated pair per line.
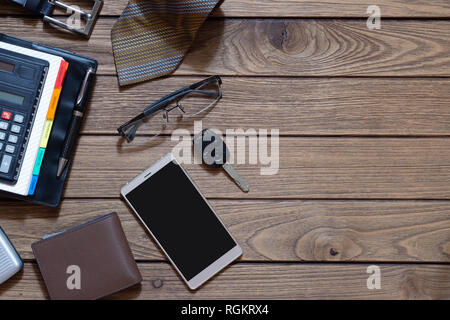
x,y
38,163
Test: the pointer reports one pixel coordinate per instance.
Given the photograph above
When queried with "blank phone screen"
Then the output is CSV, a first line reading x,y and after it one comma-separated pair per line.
x,y
180,219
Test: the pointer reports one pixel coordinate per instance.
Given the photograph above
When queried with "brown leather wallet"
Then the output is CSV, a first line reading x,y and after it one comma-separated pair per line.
x,y
87,262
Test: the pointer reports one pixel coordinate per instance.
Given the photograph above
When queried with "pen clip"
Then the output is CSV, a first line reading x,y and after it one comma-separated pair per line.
x,y
83,88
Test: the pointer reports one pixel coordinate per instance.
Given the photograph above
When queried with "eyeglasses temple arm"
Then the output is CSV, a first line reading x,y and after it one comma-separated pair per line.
x,y
206,92
208,80
132,122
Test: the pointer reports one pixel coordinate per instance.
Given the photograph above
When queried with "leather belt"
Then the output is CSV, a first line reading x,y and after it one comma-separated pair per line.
x,y
46,7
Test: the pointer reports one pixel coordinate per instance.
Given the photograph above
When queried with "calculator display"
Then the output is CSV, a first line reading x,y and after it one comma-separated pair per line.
x,y
4,66
11,98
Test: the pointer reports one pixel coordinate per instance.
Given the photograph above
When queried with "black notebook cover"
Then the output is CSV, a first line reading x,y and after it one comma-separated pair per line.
x,y
49,188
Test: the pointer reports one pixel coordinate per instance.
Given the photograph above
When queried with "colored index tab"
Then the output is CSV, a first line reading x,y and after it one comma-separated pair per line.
x,y
57,90
33,184
61,74
53,104
46,133
38,163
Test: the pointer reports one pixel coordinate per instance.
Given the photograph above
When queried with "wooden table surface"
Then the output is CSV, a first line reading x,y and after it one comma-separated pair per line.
x,y
364,179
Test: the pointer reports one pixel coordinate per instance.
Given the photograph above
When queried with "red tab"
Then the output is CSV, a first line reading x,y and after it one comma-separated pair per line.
x,y
61,74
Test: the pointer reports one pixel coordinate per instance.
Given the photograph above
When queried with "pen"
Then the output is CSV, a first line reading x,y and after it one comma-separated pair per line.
x,y
75,124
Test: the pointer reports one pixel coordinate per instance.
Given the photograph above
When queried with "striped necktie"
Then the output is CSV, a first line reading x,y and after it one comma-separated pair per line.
x,y
151,37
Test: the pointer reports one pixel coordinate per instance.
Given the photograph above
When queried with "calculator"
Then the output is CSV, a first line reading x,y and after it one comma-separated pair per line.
x,y
21,81
13,134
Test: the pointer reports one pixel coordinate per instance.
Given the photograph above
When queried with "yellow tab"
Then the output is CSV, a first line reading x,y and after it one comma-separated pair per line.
x,y
46,133
53,104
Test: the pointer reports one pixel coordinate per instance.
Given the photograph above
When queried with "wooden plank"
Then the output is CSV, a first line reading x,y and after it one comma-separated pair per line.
x,y
274,47
268,281
289,8
377,231
311,106
309,168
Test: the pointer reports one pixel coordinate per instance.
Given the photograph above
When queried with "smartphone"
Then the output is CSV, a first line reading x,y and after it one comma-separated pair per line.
x,y
181,221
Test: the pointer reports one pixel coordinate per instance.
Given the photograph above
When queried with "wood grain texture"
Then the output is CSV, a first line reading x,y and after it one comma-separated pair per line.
x,y
261,281
310,106
287,231
282,47
346,195
288,8
310,168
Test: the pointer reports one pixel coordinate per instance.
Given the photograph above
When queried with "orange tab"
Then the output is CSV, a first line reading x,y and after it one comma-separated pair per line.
x,y
53,104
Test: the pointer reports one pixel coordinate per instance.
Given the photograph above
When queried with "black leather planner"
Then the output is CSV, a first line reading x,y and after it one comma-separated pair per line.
x,y
49,187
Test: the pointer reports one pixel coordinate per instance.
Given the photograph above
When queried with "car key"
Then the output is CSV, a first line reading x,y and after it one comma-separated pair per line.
x,y
206,143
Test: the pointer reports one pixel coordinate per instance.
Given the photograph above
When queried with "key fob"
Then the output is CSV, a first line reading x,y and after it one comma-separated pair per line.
x,y
208,143
213,151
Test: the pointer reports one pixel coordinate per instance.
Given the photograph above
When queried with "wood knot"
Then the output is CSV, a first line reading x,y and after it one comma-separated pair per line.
x,y
287,37
328,245
333,252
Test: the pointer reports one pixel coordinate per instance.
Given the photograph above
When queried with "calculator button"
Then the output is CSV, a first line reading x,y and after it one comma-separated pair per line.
x,y
6,115
5,164
19,118
10,149
3,125
2,135
15,128
13,139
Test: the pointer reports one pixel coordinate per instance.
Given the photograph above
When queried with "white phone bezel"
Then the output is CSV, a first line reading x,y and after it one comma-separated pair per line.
x,y
214,267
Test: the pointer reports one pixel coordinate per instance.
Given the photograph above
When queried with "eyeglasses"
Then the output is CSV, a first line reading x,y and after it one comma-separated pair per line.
x,y
189,101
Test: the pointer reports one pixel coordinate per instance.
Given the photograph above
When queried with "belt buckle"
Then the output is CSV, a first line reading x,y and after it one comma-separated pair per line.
x,y
89,17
